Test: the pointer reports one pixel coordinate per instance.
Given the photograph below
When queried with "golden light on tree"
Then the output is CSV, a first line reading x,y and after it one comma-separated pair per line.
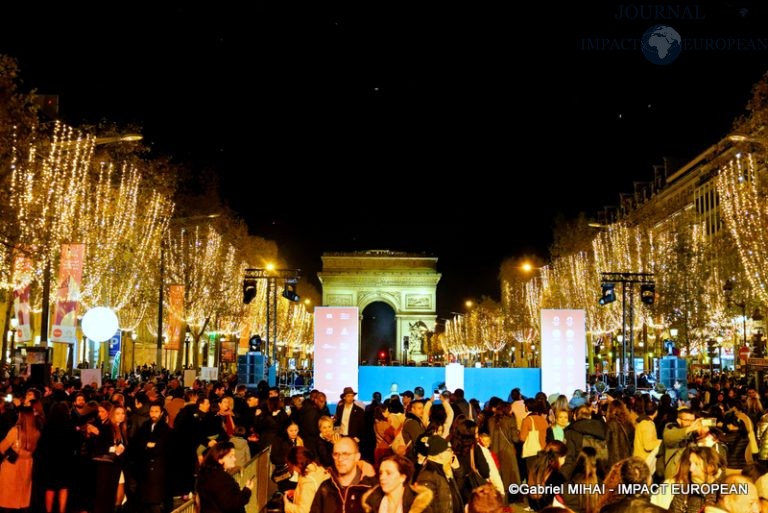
x,y
743,194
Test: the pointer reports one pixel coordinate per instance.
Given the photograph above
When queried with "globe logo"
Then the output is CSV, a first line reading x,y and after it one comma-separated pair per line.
x,y
661,44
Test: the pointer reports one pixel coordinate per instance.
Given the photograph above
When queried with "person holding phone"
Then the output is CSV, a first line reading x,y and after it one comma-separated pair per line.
x,y
216,488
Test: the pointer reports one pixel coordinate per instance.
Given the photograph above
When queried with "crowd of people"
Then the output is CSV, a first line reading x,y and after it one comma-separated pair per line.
x,y
134,446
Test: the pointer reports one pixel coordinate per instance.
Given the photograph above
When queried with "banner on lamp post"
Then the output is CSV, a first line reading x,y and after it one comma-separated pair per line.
x,y
114,344
22,273
176,313
64,327
21,307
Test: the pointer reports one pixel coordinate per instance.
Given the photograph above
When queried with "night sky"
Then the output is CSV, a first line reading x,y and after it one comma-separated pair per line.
x,y
455,130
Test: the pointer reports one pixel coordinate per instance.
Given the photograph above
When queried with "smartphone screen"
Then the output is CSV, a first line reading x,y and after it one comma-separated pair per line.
x,y
9,398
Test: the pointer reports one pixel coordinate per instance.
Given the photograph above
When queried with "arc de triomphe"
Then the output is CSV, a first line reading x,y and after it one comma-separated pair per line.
x,y
405,282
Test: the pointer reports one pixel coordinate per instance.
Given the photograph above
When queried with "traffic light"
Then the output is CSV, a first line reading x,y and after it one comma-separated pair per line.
x,y
711,348
406,342
609,294
249,291
254,344
647,293
289,290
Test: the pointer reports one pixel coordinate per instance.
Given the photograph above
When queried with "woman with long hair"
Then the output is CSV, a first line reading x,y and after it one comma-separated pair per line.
x,y
16,476
395,494
384,432
620,432
697,465
469,454
502,427
283,443
217,490
544,470
109,449
588,473
311,475
57,456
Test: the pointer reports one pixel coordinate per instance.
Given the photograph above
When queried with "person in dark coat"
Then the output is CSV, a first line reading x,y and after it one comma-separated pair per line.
x,y
345,489
56,456
150,452
217,490
349,415
436,474
583,426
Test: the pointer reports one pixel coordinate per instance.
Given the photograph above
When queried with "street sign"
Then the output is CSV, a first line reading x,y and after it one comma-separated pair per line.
x,y
757,362
744,353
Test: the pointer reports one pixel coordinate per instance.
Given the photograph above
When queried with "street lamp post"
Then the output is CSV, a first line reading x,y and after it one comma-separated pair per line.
x,y
187,340
14,327
134,336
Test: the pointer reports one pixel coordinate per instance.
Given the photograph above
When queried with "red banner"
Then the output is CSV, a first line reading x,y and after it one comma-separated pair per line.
x,y
64,327
22,275
176,316
23,313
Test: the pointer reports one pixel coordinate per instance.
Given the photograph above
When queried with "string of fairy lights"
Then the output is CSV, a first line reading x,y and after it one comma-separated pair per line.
x,y
60,192
688,264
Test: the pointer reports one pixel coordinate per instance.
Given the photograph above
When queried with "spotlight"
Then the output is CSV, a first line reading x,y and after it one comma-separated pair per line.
x,y
289,290
249,291
647,293
254,344
609,294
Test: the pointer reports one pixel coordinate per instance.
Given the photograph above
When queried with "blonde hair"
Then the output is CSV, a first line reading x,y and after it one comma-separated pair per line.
x,y
485,499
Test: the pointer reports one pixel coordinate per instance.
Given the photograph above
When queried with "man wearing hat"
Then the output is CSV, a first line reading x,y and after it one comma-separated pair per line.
x,y
349,415
437,474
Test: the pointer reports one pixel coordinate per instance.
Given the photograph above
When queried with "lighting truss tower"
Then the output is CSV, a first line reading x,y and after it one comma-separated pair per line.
x,y
628,281
251,275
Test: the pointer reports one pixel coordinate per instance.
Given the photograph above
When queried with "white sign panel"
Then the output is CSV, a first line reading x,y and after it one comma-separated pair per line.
x,y
563,351
336,349
89,376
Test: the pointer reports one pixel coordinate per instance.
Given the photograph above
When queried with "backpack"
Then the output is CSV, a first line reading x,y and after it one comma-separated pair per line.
x,y
600,446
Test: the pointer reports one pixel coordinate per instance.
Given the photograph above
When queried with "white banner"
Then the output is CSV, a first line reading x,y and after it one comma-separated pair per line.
x,y
563,351
337,349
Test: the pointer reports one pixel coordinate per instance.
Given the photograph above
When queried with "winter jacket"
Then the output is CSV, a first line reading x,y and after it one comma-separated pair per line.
x,y
332,498
416,499
306,489
220,493
574,440
446,495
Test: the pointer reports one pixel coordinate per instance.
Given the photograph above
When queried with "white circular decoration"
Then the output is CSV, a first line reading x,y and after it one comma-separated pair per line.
x,y
100,323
